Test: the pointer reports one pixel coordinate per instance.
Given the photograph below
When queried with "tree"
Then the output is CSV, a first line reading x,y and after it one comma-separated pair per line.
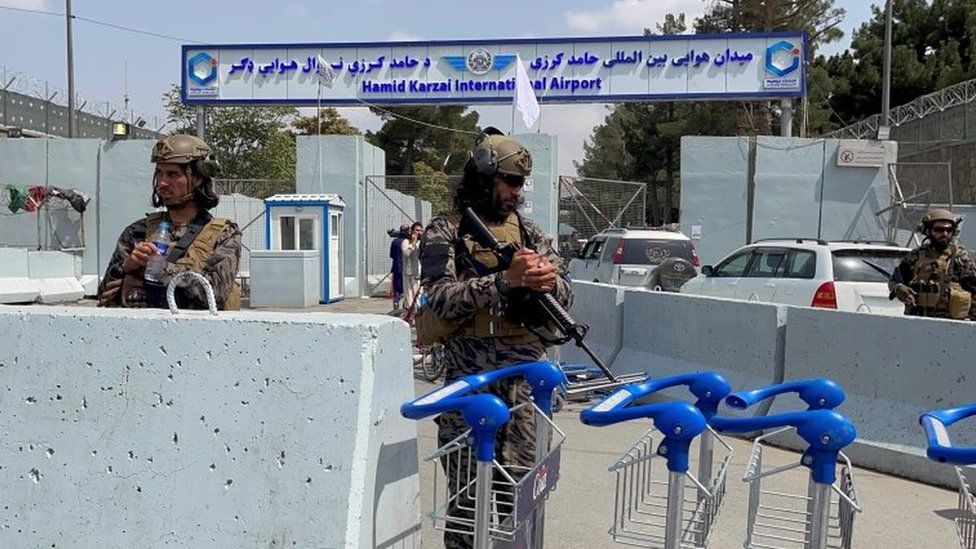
x,y
934,46
440,137
434,187
331,123
250,142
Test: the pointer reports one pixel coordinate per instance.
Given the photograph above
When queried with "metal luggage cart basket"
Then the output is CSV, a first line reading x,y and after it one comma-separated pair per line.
x,y
940,449
778,517
496,504
641,493
516,491
651,505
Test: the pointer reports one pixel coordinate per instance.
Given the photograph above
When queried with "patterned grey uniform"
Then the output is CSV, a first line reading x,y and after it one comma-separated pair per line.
x,y
456,294
220,268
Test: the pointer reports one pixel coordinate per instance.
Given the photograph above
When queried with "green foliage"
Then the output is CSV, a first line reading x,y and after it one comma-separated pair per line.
x,y
433,187
250,142
934,46
331,123
409,136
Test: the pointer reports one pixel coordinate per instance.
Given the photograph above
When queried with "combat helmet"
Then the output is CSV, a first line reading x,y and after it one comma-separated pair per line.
x,y
495,152
937,214
186,149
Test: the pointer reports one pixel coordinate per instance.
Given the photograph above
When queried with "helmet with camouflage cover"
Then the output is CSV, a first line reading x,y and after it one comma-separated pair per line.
x,y
936,214
197,162
497,153
186,149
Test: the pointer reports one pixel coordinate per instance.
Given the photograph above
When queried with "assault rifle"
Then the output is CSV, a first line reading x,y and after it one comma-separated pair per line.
x,y
539,311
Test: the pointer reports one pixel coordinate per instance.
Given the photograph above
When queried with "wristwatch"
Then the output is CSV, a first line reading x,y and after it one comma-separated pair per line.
x,y
503,286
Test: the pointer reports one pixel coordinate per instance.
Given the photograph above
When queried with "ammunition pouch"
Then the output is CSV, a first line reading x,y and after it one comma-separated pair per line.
x,y
927,293
959,301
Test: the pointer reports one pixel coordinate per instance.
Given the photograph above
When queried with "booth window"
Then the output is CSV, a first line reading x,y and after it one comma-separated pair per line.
x,y
297,233
334,226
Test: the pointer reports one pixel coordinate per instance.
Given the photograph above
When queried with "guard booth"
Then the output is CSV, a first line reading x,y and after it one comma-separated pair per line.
x,y
308,227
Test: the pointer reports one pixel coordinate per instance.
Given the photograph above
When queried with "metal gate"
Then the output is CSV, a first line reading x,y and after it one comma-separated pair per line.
x,y
588,206
392,201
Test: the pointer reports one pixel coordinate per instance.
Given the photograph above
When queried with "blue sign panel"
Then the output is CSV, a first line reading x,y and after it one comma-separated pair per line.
x,y
562,70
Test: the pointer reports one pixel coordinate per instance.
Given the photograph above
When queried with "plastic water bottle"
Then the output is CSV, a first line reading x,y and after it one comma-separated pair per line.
x,y
156,266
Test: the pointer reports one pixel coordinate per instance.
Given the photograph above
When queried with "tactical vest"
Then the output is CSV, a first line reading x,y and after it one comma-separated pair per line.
x,y
936,292
195,258
486,323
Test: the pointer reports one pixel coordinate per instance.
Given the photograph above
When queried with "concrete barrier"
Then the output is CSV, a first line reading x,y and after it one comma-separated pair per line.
x,y
599,306
136,428
892,369
15,283
54,274
666,334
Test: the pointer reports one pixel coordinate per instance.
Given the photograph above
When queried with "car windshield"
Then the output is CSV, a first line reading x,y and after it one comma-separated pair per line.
x,y
865,265
641,251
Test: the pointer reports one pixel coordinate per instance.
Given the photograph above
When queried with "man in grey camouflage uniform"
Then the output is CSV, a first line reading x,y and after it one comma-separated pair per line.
x,y
475,304
183,182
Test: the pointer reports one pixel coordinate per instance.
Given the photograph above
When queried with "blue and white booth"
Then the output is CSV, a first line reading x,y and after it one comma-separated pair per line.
x,y
309,223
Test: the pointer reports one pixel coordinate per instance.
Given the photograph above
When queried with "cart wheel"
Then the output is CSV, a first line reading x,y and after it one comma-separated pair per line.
x,y
558,400
432,362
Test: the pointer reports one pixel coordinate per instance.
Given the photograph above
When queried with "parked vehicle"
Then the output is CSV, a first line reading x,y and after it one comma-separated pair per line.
x,y
629,257
843,275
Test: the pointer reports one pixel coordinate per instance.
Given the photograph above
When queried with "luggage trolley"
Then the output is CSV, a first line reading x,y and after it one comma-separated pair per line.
x,y
940,449
499,505
650,511
777,516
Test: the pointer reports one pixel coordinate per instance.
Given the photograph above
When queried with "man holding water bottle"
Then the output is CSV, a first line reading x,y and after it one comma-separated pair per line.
x,y
184,237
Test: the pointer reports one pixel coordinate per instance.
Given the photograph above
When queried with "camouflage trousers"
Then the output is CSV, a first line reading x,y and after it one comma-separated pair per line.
x,y
514,442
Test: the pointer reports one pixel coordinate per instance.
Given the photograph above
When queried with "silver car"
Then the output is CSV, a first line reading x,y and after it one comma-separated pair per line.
x,y
632,257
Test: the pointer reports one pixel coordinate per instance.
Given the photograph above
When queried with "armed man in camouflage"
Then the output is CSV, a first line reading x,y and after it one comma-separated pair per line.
x,y
937,279
472,306
183,183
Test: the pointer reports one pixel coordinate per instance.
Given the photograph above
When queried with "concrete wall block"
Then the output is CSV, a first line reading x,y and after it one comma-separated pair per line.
x,y
892,369
243,430
18,290
49,264
59,290
13,262
601,307
742,341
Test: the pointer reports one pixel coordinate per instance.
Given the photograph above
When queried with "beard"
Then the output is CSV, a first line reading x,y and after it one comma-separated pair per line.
x,y
500,209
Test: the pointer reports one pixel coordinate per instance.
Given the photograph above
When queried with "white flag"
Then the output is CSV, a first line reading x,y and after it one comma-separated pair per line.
x,y
325,71
525,101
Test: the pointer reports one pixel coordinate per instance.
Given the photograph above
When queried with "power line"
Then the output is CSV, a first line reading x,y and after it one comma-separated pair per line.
x,y
415,121
102,23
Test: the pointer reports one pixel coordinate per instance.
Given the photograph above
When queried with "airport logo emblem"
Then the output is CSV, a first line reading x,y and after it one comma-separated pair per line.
x,y
479,61
201,71
783,60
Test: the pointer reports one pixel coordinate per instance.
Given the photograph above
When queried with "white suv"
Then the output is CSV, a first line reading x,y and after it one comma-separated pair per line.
x,y
628,257
849,276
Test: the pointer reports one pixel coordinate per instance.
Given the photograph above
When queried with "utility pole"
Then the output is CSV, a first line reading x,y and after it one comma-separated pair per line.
x,y
71,72
886,82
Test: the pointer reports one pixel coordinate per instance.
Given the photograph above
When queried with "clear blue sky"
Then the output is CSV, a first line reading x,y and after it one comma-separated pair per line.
x,y
35,43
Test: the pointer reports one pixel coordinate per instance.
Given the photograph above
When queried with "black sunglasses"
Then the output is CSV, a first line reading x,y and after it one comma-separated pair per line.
x,y
512,180
946,230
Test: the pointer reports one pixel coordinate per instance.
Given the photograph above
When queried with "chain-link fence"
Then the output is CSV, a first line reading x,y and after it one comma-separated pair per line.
x,y
588,206
255,188
393,201
915,187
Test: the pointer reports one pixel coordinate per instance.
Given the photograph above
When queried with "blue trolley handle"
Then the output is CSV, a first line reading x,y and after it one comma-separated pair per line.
x,y
826,432
940,447
679,422
818,394
485,413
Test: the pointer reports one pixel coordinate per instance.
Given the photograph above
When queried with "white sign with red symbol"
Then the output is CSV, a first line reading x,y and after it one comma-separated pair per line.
x,y
859,153
541,482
